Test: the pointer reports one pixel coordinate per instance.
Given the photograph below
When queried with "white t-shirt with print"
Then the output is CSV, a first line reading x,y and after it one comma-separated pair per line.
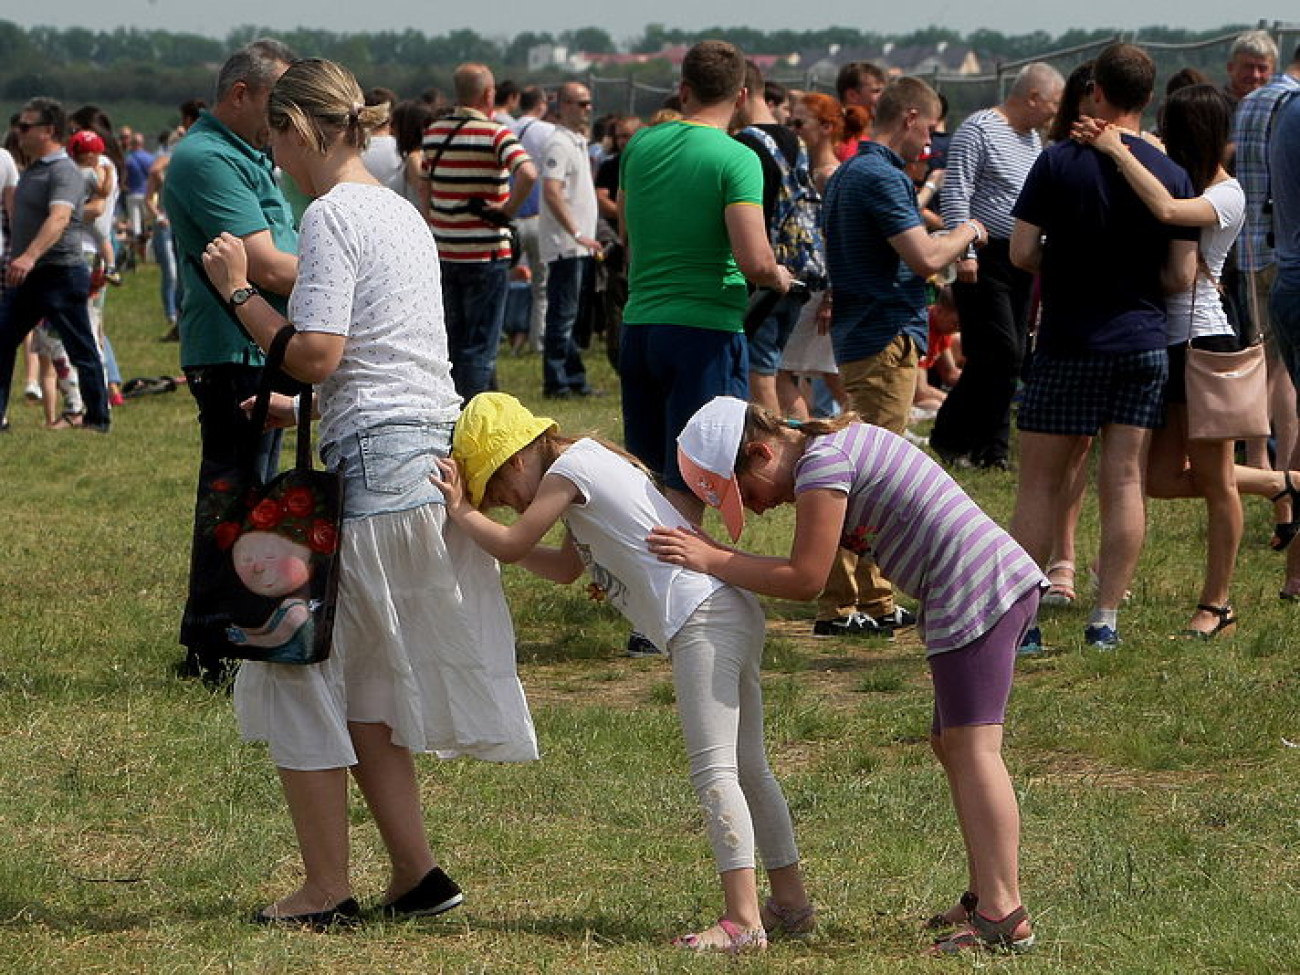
x,y
368,270
1193,317
609,525
566,159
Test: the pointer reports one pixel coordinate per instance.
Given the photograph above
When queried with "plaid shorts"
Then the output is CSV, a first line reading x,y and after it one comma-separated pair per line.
x,y
1077,397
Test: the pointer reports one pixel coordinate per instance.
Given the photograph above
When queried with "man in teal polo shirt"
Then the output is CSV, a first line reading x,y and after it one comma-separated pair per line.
x,y
219,180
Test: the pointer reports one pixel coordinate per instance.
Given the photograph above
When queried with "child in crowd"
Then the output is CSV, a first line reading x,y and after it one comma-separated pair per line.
x,y
714,632
940,368
862,488
87,150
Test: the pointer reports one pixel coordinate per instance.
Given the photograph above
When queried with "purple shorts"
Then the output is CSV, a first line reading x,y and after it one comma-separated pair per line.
x,y
972,683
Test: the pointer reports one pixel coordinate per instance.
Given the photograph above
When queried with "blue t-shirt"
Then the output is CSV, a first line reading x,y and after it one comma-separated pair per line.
x,y
1284,177
870,199
1104,250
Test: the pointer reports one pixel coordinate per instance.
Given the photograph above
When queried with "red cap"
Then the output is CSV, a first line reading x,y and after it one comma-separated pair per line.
x,y
85,141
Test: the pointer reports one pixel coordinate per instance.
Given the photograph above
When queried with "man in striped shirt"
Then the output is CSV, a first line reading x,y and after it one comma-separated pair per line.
x,y
988,160
473,198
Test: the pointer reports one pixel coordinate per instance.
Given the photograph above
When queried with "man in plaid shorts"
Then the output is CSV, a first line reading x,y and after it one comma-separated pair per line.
x,y
1100,365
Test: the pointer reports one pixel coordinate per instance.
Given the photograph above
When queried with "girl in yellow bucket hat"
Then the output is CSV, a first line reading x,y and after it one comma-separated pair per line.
x,y
504,456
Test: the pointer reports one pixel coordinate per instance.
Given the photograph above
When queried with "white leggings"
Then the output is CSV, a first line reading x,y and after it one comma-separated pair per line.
x,y
716,657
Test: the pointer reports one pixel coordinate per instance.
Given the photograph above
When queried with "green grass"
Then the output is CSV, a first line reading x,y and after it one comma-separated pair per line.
x,y
1157,786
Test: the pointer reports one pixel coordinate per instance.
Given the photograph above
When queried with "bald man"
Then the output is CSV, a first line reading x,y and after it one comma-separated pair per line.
x,y
479,176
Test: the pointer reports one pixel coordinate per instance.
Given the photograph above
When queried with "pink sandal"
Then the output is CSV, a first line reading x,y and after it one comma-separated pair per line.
x,y
738,939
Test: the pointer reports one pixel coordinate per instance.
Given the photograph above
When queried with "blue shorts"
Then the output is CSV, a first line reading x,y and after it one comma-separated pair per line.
x,y
386,468
1077,397
668,372
769,339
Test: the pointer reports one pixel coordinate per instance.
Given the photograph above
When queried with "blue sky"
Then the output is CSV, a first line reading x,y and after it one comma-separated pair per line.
x,y
624,20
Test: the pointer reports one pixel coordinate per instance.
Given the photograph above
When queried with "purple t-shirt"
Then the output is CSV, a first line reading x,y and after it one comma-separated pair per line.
x,y
925,533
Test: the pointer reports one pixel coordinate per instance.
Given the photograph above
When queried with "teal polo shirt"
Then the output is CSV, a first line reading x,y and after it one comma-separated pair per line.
x,y
216,181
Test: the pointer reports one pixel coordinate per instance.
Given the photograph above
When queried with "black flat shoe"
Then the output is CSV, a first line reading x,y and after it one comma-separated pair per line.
x,y
1227,620
344,914
435,894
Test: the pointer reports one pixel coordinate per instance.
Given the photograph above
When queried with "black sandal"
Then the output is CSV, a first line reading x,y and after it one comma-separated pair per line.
x,y
1226,621
940,922
1284,532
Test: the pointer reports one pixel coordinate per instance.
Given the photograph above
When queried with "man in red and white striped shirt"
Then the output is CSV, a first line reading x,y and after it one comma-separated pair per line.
x,y
480,175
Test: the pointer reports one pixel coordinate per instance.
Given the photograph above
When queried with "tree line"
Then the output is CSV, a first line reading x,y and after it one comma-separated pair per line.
x,y
163,68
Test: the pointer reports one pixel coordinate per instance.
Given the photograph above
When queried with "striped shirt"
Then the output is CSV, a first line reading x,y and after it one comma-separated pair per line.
x,y
475,165
988,161
924,532
1250,133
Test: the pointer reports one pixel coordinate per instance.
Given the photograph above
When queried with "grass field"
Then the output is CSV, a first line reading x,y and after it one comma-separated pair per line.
x,y
1158,783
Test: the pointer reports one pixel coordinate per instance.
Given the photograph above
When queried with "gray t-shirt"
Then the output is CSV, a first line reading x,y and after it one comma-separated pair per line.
x,y
54,179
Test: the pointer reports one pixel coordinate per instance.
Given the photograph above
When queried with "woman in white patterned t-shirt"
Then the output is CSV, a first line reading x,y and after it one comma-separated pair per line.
x,y
423,649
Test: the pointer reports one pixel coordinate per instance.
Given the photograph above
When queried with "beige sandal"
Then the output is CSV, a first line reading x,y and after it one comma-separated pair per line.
x,y
1061,594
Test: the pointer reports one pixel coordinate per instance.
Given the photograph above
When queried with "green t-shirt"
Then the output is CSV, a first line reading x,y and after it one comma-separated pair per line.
x,y
216,181
677,180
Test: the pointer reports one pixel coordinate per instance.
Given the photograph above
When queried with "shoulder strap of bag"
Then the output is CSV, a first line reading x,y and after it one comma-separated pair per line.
x,y
437,156
262,405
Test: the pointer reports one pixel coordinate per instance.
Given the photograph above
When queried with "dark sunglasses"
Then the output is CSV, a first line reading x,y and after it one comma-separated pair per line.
x,y
795,123
580,104
25,126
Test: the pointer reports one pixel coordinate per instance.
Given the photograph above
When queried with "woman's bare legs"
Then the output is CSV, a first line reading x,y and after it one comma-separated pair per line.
x,y
386,775
318,805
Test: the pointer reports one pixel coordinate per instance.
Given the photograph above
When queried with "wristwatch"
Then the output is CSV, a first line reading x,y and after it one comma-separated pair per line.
x,y
241,295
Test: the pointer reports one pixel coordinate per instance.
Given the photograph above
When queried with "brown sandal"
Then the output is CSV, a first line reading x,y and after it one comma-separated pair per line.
x,y
792,922
941,922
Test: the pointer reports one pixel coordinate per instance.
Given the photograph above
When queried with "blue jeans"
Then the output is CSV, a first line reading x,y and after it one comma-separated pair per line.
x,y
386,468
768,340
474,303
58,294
668,372
562,367
1284,320
165,255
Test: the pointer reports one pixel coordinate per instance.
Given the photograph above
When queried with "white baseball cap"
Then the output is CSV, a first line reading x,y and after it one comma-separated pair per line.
x,y
706,454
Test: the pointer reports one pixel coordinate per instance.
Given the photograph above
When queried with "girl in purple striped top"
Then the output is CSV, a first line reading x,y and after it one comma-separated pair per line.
x,y
862,488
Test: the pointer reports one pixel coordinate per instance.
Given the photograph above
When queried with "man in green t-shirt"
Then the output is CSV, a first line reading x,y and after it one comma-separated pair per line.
x,y
691,211
219,180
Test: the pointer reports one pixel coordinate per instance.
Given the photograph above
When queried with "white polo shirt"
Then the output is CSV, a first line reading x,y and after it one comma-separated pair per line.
x,y
566,159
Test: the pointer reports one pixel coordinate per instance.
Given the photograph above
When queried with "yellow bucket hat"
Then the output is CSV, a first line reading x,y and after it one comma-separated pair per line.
x,y
492,428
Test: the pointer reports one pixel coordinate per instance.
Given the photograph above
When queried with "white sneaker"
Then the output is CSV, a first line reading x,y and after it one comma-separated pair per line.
x,y
33,393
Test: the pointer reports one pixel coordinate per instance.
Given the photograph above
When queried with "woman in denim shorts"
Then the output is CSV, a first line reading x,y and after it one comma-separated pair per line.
x,y
423,648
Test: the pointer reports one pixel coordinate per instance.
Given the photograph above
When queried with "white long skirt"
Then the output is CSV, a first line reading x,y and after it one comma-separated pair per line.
x,y
423,643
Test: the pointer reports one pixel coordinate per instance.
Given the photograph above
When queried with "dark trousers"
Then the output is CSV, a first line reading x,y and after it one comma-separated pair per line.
x,y
562,366
976,417
56,293
234,457
474,306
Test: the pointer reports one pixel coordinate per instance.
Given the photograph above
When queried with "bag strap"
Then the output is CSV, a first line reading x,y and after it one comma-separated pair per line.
x,y
262,405
437,156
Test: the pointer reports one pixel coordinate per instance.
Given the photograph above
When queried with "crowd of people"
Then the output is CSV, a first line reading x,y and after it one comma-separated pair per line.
x,y
1050,252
